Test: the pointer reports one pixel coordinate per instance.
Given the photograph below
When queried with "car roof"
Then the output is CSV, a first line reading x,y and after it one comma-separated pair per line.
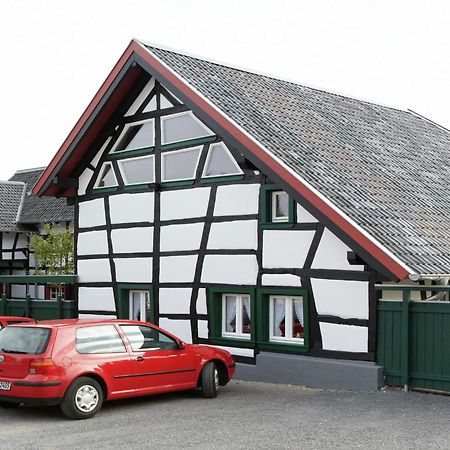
x,y
25,319
74,322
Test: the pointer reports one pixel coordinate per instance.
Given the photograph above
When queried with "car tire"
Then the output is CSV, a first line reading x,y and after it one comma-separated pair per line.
x,y
8,405
83,399
210,380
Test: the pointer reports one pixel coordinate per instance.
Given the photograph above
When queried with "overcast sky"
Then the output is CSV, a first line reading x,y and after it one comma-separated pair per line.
x,y
56,53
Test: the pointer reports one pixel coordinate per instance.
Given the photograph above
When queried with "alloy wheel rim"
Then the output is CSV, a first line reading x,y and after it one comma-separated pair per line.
x,y
86,398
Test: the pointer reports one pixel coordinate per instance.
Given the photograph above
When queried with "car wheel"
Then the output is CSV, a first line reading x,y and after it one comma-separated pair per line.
x,y
83,399
210,380
8,405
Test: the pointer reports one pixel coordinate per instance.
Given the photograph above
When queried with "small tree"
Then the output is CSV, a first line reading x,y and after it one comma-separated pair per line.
x,y
53,251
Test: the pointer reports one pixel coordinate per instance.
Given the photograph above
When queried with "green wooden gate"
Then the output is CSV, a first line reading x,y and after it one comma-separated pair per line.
x,y
414,340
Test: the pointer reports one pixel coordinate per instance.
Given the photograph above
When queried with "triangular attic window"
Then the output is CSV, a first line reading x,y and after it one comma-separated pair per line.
x,y
107,176
151,106
220,162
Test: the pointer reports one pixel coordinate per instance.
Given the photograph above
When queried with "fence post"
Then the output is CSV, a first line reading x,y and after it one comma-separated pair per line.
x,y
405,338
4,304
28,305
59,306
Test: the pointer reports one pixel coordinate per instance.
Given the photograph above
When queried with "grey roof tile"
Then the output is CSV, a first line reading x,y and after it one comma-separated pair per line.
x,y
41,209
386,169
10,200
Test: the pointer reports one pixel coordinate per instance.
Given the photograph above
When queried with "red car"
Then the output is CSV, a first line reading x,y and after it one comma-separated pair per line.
x,y
79,363
10,320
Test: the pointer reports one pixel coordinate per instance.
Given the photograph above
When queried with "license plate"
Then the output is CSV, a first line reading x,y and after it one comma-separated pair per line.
x,y
5,385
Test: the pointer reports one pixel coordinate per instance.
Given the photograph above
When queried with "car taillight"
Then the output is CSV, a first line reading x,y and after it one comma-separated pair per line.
x,y
42,366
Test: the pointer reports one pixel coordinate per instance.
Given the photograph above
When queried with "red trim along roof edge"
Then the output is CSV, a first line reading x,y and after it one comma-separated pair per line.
x,y
381,254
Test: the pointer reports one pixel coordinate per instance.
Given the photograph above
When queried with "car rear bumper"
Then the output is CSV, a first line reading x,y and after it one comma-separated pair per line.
x,y
33,392
31,400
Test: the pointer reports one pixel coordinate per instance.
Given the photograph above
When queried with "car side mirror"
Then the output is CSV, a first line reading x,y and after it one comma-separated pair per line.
x,y
181,345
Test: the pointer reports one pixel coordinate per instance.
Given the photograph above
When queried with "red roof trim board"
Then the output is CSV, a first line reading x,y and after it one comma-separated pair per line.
x,y
378,252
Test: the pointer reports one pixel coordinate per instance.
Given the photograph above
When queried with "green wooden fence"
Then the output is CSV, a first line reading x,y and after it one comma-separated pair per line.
x,y
414,340
36,308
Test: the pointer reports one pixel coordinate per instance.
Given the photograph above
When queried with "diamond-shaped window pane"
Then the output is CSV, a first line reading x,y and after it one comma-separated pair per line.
x,y
180,165
182,127
138,170
220,162
137,136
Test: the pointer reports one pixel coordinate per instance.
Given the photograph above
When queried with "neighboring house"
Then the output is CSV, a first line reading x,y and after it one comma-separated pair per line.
x,y
22,213
249,212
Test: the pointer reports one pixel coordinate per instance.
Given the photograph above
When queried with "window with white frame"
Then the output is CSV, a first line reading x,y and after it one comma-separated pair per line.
x,y
182,127
220,162
135,136
180,164
138,170
280,206
107,177
286,319
236,316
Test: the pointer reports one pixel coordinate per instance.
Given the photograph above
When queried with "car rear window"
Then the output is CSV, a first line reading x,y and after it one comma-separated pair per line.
x,y
99,339
24,340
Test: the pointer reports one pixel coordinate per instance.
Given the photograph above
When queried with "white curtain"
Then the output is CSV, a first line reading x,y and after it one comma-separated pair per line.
x,y
246,307
298,309
230,312
278,313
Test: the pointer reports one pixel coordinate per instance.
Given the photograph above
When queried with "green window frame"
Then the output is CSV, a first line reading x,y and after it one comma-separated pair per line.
x,y
260,320
216,311
266,208
123,309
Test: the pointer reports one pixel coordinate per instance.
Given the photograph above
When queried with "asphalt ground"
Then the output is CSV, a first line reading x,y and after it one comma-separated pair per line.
x,y
245,415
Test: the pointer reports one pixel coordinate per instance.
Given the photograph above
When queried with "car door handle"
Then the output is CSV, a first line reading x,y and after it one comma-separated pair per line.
x,y
140,358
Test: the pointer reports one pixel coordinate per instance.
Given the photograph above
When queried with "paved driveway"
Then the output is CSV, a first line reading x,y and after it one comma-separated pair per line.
x,y
245,415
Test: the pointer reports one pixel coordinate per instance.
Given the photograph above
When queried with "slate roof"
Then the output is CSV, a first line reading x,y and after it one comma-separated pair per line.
x,y
387,169
10,199
37,210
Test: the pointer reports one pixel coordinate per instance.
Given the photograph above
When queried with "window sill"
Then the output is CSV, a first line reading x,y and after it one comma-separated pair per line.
x,y
233,342
290,347
221,178
277,225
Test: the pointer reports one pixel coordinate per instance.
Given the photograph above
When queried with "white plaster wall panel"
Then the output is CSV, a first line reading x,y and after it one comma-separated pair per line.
x,y
141,97
96,299
94,270
22,241
304,216
8,240
173,269
41,292
97,316
239,234
237,199
136,270
180,328
99,154
174,301
132,240
37,292
83,181
128,208
286,248
92,243
91,213
274,279
201,301
18,291
19,255
181,237
344,338
185,203
332,254
7,255
238,351
202,326
230,269
346,299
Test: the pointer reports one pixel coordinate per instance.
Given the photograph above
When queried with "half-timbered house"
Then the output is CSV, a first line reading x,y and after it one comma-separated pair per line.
x,y
249,212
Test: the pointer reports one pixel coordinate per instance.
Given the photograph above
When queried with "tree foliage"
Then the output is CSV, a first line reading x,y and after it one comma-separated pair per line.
x,y
53,251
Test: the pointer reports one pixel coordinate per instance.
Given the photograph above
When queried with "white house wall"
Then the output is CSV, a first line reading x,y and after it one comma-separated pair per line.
x,y
179,241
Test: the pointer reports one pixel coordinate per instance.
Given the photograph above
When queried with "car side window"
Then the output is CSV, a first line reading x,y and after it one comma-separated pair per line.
x,y
146,339
98,339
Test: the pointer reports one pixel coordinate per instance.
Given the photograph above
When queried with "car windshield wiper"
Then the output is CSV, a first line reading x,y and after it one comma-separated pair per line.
x,y
6,350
